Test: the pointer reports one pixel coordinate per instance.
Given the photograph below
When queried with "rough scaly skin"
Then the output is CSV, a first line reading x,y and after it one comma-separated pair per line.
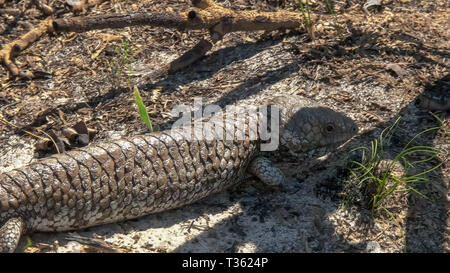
x,y
127,178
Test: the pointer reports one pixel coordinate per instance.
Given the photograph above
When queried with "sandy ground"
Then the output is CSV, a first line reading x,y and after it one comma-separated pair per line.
x,y
347,74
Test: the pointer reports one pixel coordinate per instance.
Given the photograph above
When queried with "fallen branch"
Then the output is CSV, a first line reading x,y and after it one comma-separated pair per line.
x,y
83,24
206,15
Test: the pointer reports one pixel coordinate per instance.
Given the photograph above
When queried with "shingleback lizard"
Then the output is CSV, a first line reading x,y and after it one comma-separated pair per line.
x,y
131,177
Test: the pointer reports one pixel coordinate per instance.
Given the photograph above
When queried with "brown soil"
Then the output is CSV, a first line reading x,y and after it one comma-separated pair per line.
x,y
372,67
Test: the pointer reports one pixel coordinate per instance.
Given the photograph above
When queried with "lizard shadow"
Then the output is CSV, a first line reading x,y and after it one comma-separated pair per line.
x,y
416,224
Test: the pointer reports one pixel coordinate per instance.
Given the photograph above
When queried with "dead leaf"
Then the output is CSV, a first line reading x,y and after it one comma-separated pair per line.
x,y
48,146
79,135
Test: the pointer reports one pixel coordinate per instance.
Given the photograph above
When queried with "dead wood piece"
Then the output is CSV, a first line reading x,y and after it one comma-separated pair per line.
x,y
210,16
79,135
399,71
203,4
222,20
9,51
83,24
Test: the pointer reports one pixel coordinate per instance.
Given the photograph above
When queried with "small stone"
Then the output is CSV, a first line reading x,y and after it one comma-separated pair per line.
x,y
373,247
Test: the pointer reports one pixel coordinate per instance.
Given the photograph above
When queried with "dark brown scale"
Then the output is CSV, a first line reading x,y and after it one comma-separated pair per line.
x,y
25,186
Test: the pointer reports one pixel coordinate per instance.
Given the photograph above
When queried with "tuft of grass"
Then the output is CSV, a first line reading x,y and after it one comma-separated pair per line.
x,y
142,109
379,181
120,66
121,63
305,9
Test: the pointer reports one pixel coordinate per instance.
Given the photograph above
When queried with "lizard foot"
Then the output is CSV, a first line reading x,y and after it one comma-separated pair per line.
x,y
263,168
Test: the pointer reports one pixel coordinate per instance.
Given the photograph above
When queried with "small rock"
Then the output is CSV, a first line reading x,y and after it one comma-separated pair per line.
x,y
373,247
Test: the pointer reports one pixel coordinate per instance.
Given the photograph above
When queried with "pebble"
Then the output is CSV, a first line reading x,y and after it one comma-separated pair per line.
x,y
373,247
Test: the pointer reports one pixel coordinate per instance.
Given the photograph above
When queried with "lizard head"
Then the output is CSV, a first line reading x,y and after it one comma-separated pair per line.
x,y
306,126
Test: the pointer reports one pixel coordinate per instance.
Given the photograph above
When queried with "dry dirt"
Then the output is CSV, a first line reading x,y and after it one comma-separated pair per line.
x,y
344,68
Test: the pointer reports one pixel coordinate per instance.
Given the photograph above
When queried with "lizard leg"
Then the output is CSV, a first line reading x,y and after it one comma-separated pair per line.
x,y
263,168
10,234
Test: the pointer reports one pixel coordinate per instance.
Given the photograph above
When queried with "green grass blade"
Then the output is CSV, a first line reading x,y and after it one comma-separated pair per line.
x,y
27,245
142,110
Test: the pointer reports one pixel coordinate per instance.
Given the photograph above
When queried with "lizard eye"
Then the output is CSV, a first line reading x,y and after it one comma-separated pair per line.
x,y
330,127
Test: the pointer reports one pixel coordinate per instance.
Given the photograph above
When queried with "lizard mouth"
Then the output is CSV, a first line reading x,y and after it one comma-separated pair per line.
x,y
318,151
314,153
